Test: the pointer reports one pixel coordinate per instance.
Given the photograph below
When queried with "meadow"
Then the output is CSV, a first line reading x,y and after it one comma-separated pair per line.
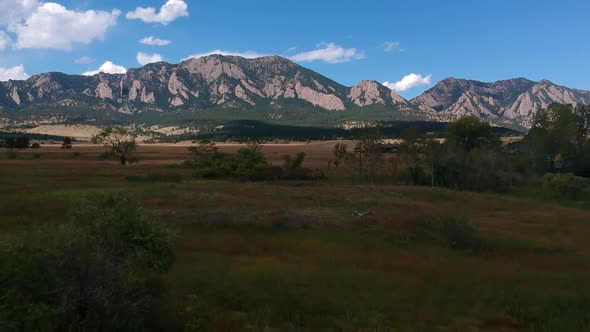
x,y
327,255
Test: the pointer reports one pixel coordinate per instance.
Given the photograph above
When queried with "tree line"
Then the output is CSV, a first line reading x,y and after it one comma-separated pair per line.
x,y
472,157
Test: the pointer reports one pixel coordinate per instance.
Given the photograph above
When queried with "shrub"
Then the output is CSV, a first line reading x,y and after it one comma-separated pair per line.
x,y
105,262
36,156
265,173
566,186
318,174
105,155
35,146
298,174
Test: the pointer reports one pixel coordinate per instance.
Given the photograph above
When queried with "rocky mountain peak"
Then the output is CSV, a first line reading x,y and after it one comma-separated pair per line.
x,y
514,99
370,92
273,82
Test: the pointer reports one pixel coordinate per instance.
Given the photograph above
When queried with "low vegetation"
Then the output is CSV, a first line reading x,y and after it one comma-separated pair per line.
x,y
249,163
499,243
99,271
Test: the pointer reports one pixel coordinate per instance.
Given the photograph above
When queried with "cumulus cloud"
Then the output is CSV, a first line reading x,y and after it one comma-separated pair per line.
x,y
4,41
144,58
51,25
390,46
107,67
408,82
246,54
169,12
14,73
330,53
85,60
153,41
15,11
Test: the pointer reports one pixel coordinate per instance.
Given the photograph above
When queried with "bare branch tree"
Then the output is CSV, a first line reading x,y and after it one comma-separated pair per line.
x,y
120,142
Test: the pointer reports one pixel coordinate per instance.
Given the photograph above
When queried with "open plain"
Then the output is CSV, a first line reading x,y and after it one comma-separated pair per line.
x,y
325,255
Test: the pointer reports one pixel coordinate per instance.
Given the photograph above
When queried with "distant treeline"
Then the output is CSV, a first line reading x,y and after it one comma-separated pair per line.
x,y
244,129
38,137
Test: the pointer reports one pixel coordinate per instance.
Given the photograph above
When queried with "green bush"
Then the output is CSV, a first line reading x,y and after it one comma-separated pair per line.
x,y
265,173
318,174
36,156
105,155
105,262
566,186
298,174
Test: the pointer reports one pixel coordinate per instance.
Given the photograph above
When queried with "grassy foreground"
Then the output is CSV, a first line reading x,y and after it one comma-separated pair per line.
x,y
330,255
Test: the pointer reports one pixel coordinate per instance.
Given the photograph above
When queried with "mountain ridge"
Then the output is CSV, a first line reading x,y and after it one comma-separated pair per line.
x,y
274,83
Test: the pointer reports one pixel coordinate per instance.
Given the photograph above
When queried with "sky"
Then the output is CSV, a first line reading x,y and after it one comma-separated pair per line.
x,y
406,45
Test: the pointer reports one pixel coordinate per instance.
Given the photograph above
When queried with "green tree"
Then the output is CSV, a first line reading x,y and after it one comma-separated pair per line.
x,y
558,139
369,156
340,154
98,272
291,163
67,143
469,133
21,142
413,152
119,141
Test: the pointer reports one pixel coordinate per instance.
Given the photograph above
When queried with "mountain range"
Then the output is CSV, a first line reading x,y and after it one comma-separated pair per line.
x,y
274,83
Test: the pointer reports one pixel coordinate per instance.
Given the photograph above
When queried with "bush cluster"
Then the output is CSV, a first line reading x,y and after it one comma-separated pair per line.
x,y
248,164
566,186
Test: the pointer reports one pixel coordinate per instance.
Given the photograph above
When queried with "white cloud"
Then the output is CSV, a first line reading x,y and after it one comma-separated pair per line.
x,y
169,12
291,49
85,60
152,41
408,82
390,46
14,73
246,54
15,11
144,59
52,25
330,53
107,67
4,41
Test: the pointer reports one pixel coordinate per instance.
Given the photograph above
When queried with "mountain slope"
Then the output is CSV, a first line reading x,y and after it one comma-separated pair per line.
x,y
196,84
515,99
274,85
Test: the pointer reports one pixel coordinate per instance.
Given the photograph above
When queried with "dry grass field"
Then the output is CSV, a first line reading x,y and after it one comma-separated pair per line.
x,y
328,255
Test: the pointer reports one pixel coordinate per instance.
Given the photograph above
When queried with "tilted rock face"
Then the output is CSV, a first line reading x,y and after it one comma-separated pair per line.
x,y
516,99
372,92
103,91
230,82
176,87
147,97
256,81
323,100
14,95
196,84
135,90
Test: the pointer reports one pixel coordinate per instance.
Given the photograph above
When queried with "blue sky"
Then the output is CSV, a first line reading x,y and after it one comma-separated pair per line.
x,y
347,41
